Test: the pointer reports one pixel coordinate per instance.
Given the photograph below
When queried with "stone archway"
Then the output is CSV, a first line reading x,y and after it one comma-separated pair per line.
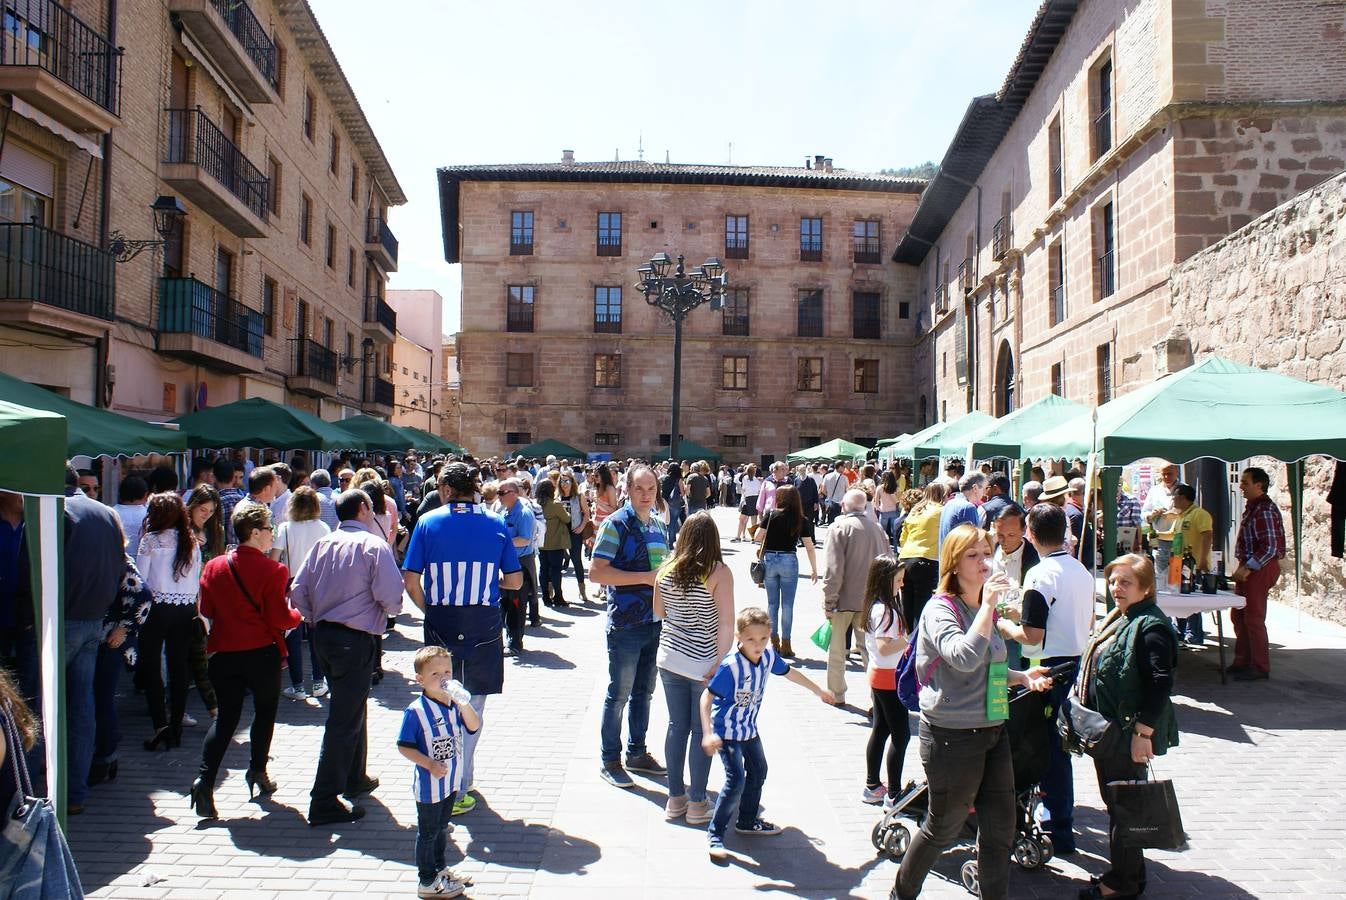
x,y
1005,400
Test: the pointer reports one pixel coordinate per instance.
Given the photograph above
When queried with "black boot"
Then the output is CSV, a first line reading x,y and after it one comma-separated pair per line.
x,y
203,798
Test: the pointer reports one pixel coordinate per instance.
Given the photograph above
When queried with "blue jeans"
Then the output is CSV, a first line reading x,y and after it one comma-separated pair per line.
x,y
683,742
552,562
744,775
631,655
294,649
1191,629
577,559
432,825
82,637
889,522
782,578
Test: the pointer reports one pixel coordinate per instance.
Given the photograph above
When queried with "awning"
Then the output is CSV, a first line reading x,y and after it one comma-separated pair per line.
x,y
92,431
84,142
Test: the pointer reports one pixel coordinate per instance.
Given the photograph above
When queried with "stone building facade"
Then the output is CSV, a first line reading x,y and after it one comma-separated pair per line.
x,y
1273,295
813,343
272,283
1126,137
450,391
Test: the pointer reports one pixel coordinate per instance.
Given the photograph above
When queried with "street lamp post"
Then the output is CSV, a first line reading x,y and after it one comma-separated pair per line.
x,y
677,294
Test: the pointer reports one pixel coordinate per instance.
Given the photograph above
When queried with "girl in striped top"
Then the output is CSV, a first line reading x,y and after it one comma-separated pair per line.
x,y
694,595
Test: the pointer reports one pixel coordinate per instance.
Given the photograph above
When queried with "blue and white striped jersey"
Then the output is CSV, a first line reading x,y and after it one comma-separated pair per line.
x,y
459,550
435,729
737,689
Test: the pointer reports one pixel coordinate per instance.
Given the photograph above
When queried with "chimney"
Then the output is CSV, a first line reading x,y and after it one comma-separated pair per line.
x,y
818,161
827,164
808,163
568,157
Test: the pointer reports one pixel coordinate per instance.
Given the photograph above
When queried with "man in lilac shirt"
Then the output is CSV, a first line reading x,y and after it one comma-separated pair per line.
x,y
346,588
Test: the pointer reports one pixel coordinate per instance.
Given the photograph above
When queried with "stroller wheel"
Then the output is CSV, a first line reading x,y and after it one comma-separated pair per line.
x,y
877,835
969,875
1028,853
896,842
1048,849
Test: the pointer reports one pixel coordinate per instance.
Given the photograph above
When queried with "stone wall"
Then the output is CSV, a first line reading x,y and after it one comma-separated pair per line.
x,y
1273,295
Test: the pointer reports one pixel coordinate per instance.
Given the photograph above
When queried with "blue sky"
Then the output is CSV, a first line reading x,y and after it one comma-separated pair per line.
x,y
871,84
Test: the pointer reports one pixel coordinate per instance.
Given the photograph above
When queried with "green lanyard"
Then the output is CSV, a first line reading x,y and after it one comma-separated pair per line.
x,y
997,691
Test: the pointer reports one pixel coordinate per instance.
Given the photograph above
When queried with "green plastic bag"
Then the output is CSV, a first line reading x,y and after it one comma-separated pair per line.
x,y
822,638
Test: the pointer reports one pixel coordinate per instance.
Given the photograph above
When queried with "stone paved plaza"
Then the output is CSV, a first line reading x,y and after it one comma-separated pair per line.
x,y
1259,775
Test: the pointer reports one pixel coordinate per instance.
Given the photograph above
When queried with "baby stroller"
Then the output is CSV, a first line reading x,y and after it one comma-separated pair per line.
x,y
1031,718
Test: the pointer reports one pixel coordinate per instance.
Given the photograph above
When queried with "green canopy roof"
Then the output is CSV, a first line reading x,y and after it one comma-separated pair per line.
x,y
952,441
1001,438
90,431
377,434
1217,408
550,447
427,440
256,422
884,442
837,448
688,450
38,438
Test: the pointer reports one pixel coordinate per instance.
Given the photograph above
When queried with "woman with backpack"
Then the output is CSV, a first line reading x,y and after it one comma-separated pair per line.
x,y
886,631
959,659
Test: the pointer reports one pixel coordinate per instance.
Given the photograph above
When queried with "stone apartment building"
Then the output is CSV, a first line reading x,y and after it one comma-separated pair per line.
x,y
1127,137
450,391
417,358
813,341
270,284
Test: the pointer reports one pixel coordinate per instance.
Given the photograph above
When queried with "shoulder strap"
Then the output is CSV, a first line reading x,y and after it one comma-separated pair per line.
x,y
17,758
247,595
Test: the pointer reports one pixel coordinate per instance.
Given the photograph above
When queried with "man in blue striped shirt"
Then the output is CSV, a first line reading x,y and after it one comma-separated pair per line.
x,y
729,710
459,558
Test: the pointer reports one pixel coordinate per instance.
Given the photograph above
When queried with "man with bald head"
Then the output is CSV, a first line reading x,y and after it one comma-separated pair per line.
x,y
853,541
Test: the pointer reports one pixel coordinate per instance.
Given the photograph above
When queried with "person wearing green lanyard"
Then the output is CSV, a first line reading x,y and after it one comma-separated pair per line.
x,y
964,705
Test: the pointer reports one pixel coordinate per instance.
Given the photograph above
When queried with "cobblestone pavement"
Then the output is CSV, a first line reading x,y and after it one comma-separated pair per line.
x,y
1259,775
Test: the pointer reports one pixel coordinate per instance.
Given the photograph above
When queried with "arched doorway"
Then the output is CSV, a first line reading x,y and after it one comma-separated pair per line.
x,y
1004,381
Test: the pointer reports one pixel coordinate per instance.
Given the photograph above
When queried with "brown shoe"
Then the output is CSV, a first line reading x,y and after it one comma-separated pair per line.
x,y
785,649
775,643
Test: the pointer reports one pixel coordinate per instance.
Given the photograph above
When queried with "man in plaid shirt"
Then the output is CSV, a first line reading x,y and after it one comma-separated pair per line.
x,y
1259,548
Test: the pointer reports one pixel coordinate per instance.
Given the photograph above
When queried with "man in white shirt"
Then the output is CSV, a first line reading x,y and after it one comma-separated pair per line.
x,y
1058,614
1154,515
834,489
133,496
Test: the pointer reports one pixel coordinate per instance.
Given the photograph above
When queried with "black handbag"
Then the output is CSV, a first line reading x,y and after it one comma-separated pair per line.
x,y
757,568
1146,814
1085,731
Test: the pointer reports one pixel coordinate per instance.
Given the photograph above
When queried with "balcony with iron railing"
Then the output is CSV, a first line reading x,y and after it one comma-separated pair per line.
x,y
380,243
866,327
51,280
736,246
380,319
810,251
942,299
237,42
315,369
1107,274
51,59
866,250
206,165
378,394
201,324
1000,238
967,275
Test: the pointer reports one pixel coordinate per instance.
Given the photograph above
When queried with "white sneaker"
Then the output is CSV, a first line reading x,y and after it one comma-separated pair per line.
x,y
295,693
188,721
320,688
440,887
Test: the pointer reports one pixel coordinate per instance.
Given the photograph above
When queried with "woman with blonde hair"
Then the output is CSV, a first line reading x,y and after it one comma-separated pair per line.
x,y
290,545
964,706
918,546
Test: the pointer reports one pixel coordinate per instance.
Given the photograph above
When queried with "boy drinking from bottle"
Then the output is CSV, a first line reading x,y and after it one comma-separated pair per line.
x,y
729,721
432,734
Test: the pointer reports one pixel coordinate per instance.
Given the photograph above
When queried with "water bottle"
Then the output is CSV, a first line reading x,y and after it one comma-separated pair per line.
x,y
454,688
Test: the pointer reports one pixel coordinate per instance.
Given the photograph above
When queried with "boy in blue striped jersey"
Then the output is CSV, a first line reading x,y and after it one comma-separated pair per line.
x,y
729,721
433,729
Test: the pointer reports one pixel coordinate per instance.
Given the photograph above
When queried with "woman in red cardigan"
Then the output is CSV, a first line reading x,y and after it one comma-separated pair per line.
x,y
243,598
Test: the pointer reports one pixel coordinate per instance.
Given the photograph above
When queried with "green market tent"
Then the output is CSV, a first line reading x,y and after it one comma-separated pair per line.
x,y
901,447
952,439
884,442
377,434
835,449
549,447
256,422
1002,438
432,442
690,451
1217,408
38,437
91,431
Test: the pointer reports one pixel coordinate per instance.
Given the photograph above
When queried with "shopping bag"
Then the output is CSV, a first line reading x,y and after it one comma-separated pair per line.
x,y
1146,814
35,860
822,638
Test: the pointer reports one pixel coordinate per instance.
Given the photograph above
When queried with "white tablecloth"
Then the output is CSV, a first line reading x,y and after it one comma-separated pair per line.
x,y
1180,606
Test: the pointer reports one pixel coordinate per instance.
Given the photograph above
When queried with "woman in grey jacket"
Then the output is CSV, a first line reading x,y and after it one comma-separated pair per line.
x,y
964,705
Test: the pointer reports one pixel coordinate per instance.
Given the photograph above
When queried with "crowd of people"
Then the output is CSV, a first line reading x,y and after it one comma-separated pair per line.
x,y
218,585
